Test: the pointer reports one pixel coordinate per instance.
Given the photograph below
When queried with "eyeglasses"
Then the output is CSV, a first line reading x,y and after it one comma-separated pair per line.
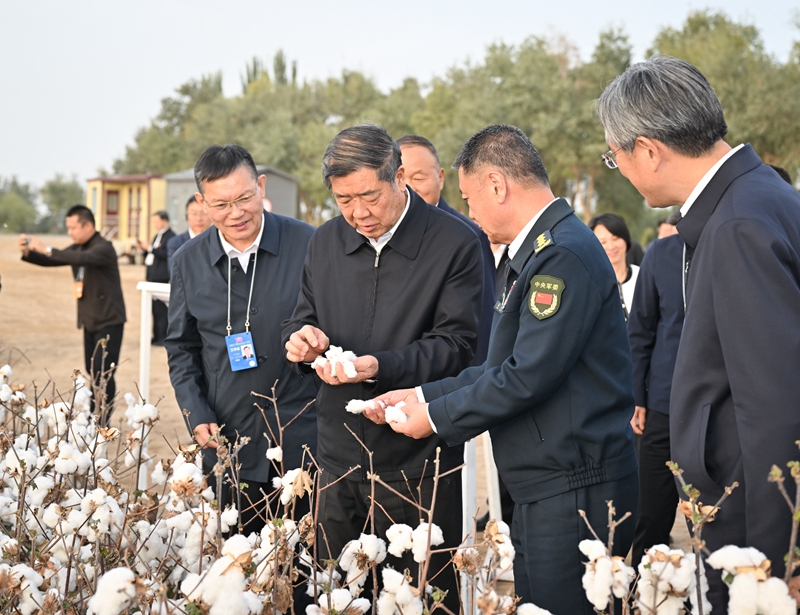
x,y
610,158
225,206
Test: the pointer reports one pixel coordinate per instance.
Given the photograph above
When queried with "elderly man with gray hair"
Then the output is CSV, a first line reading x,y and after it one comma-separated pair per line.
x,y
733,408
399,283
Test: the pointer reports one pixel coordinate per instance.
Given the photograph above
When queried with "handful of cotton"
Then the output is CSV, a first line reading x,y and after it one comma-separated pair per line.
x,y
393,414
335,355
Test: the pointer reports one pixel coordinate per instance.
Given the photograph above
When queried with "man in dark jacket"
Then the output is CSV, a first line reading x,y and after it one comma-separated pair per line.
x,y
555,390
157,270
198,221
101,307
654,329
399,283
733,406
238,280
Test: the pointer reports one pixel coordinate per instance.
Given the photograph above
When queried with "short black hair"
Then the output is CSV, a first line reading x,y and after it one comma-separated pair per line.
x,y
418,141
506,148
784,174
219,161
192,199
674,217
366,146
162,214
615,225
83,213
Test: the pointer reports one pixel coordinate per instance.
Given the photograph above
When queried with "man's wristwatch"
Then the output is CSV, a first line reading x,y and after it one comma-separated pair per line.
x,y
49,250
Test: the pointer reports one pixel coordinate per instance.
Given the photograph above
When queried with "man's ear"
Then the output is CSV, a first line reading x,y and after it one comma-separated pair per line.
x,y
441,179
651,151
400,178
497,185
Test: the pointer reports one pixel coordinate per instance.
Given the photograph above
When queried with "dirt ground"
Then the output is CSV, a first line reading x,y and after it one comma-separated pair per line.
x,y
40,340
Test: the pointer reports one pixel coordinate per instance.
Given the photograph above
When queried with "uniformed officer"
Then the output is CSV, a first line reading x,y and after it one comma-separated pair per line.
x,y
555,391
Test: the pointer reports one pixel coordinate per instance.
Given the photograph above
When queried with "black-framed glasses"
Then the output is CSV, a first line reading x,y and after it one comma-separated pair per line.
x,y
610,158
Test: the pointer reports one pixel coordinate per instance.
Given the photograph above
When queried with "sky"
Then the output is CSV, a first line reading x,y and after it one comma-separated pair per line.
x,y
79,77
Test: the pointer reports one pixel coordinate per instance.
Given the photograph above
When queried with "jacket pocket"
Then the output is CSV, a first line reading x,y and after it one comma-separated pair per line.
x,y
709,489
533,429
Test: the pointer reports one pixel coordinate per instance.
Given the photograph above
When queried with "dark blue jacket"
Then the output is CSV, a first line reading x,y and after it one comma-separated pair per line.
x,y
735,406
199,368
555,394
655,322
173,244
487,310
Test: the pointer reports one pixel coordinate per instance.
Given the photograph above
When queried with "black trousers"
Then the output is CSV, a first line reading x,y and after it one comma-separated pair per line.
x,y
548,565
98,359
658,493
343,516
160,321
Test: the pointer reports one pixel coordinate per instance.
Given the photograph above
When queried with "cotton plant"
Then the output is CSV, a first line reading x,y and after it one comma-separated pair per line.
x,y
116,591
605,575
358,556
339,602
222,589
295,483
336,356
752,590
397,596
666,577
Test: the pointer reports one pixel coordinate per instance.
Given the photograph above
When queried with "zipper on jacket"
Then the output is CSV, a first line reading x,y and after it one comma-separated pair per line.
x,y
373,305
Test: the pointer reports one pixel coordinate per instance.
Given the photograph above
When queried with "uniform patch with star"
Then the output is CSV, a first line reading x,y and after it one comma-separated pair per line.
x,y
545,297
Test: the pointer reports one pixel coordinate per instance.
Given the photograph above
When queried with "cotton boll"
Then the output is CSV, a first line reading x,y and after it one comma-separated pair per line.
x,y
115,592
386,604
774,598
275,454
29,581
597,581
731,557
5,393
159,474
357,406
373,547
399,536
395,414
236,545
229,518
593,549
6,371
743,595
392,580
419,539
38,491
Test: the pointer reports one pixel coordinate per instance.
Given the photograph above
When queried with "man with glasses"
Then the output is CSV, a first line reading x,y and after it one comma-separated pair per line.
x,y
400,284
231,288
733,406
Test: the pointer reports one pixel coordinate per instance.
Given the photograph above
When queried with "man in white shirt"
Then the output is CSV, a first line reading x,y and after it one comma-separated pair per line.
x,y
733,406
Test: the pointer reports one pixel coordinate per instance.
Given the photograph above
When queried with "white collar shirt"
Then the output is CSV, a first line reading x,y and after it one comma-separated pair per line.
x,y
381,241
244,257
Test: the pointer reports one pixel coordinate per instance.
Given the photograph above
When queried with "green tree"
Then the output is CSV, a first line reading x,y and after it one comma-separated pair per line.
x,y
59,194
16,214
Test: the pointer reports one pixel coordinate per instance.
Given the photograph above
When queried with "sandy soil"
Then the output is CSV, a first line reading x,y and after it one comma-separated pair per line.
x,y
39,338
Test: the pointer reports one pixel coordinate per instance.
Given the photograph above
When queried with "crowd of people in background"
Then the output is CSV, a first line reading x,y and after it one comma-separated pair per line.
x,y
590,361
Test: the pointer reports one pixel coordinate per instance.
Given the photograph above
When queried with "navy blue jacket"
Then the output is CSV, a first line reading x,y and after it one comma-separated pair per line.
x,y
159,270
415,308
198,358
555,394
487,310
655,322
735,407
173,244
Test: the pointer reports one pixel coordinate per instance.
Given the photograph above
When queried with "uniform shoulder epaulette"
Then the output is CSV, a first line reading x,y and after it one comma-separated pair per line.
x,y
542,241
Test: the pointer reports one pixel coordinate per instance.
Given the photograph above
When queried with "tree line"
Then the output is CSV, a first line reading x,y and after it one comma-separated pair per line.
x,y
541,85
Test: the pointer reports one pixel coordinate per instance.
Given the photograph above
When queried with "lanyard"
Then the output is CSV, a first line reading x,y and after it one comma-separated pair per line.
x,y
249,298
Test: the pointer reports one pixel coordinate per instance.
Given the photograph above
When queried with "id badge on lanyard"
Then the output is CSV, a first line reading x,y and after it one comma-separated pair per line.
x,y
241,352
240,347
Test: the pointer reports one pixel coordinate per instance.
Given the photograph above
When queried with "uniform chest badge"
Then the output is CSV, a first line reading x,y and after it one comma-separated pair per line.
x,y
545,297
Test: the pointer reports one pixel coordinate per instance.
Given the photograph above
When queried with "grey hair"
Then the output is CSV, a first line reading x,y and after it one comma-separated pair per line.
x,y
666,99
506,148
366,146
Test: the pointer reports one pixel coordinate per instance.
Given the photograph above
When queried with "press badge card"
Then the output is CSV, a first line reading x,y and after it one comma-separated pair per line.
x,y
241,352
